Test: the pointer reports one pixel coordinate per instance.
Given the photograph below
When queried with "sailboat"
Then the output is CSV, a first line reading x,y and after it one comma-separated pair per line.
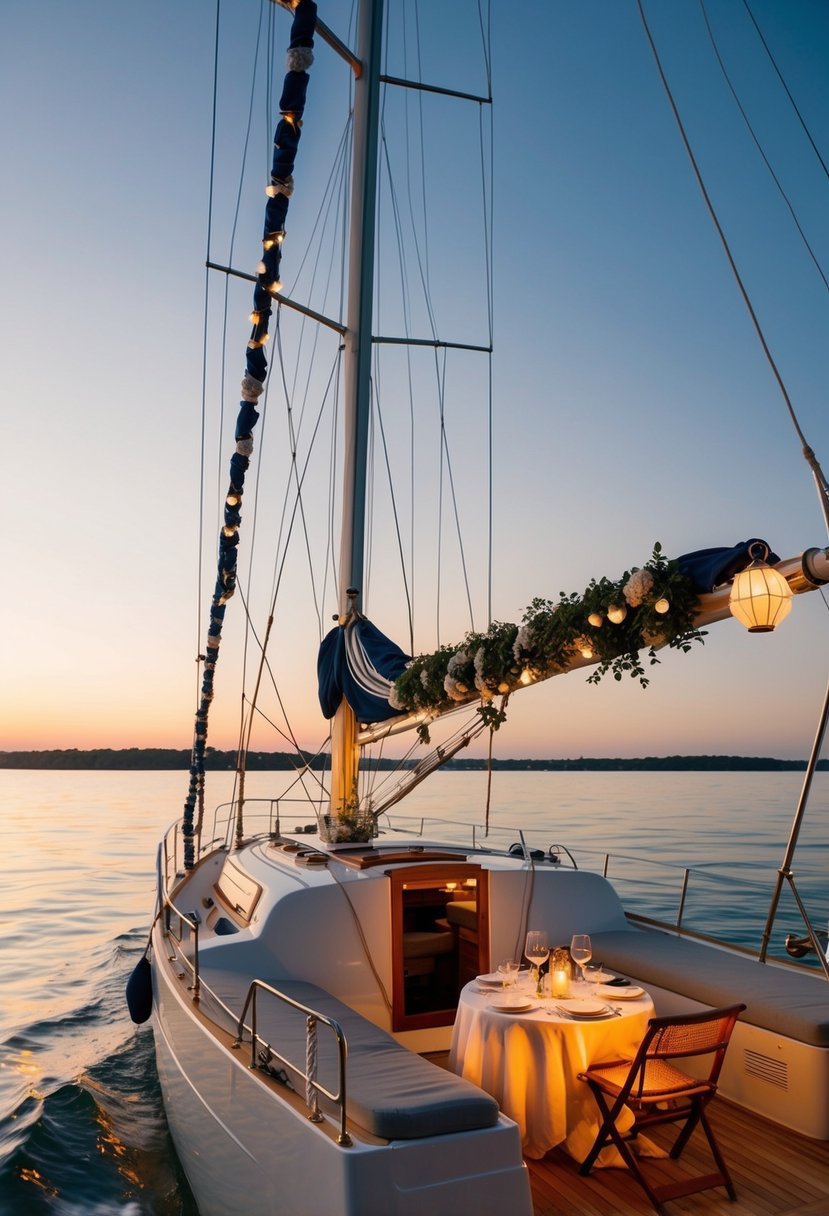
x,y
308,953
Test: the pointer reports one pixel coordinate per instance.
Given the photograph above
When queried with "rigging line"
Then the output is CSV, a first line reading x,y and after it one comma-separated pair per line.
x,y
336,177
205,327
469,729
396,517
422,149
223,362
453,496
809,455
488,212
757,144
246,142
424,217
298,505
303,766
786,88
293,438
320,225
265,662
360,933
254,517
486,41
406,307
488,781
330,560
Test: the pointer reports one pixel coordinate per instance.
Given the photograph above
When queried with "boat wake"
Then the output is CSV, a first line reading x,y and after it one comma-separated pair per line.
x,y
82,1126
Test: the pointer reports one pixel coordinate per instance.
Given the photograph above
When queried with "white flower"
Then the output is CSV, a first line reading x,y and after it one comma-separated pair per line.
x,y
454,690
637,587
522,643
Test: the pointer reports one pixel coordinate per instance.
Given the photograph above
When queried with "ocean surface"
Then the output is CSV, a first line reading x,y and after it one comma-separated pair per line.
x,y
82,1127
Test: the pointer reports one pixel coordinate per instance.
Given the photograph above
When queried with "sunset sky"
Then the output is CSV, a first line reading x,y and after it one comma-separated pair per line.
x,y
632,401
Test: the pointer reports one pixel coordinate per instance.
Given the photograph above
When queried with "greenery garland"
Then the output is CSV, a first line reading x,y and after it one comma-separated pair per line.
x,y
648,607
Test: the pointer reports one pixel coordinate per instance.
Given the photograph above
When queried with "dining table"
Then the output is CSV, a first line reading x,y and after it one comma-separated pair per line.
x,y
527,1052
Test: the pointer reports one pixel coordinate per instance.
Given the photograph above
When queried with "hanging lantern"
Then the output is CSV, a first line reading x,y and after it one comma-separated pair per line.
x,y
760,596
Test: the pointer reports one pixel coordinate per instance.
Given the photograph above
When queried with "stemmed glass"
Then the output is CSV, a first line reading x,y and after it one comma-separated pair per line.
x,y
581,952
536,951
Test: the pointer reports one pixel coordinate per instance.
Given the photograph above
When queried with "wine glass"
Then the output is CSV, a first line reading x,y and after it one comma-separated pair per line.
x,y
536,951
581,951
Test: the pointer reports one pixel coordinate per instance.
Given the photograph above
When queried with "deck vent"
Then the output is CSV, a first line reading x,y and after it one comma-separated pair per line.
x,y
775,1072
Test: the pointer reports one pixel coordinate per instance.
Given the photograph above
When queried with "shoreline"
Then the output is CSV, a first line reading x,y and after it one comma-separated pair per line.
x,y
163,759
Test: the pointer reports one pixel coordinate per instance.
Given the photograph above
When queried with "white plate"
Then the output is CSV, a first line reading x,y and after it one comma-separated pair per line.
x,y
585,1009
516,1004
493,979
622,994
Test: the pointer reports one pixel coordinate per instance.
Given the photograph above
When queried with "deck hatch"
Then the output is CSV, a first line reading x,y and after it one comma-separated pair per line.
x,y
237,889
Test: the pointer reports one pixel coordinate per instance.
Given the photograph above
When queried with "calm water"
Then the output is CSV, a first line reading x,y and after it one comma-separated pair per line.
x,y
82,1129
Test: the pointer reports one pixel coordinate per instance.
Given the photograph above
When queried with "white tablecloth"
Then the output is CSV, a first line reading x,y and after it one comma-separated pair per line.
x,y
530,1064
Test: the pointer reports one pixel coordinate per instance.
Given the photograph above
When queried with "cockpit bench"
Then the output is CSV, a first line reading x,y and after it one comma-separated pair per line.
x,y
778,999
391,1092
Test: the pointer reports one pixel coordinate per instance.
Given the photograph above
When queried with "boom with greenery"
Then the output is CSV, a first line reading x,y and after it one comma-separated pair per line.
x,y
611,622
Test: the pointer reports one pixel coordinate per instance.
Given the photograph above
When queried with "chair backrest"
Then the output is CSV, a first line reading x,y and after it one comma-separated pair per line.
x,y
685,1035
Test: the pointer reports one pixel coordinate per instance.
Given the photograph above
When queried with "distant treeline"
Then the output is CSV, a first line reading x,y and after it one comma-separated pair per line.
x,y
174,758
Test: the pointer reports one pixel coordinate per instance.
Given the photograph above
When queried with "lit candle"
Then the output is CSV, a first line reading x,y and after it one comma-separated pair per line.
x,y
561,983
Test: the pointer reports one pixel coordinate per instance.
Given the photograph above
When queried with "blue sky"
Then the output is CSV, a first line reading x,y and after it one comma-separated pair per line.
x,y
632,402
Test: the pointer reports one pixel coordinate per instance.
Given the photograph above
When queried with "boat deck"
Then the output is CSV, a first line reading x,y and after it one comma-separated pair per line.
x,y
776,1172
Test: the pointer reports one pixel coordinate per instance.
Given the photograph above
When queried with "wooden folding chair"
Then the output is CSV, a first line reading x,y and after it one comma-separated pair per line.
x,y
656,1091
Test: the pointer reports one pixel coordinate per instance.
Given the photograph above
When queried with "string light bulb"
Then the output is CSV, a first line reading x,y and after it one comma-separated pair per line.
x,y
595,619
617,613
662,605
526,676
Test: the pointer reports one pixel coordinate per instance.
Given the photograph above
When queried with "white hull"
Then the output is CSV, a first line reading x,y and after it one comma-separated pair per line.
x,y
246,1148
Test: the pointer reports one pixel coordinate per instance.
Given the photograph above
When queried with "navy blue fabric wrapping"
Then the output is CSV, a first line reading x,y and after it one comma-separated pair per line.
x,y
286,139
360,663
139,991
709,568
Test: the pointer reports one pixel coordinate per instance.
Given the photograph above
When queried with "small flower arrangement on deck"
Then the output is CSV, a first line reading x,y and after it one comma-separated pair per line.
x,y
355,824
610,623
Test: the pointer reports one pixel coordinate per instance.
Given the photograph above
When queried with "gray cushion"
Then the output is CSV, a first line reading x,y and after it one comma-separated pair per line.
x,y
390,1091
779,999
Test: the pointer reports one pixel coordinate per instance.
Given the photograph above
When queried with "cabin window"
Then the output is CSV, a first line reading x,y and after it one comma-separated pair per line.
x,y
440,940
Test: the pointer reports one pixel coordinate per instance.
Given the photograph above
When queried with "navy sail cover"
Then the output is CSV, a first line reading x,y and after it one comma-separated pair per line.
x,y
358,662
710,568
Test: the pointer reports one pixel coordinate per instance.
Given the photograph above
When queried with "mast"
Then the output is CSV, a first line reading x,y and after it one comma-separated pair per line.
x,y
357,371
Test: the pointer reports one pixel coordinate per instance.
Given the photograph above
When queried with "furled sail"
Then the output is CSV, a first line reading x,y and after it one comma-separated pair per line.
x,y
358,662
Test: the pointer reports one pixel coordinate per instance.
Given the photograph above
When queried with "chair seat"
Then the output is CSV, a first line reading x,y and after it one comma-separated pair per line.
x,y
660,1079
